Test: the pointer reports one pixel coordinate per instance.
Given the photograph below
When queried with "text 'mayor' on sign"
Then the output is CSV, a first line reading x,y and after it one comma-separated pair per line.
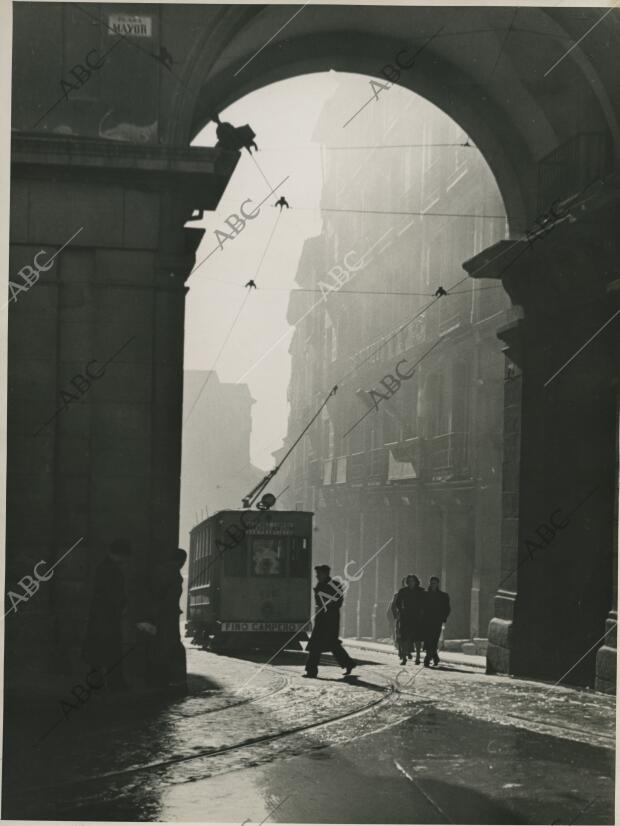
x,y
130,24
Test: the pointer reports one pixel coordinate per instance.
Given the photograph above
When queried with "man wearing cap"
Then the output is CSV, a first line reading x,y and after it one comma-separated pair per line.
x,y
327,599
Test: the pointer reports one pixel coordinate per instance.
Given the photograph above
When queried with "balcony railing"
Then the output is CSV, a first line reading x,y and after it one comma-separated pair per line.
x,y
378,464
447,454
357,468
407,459
414,458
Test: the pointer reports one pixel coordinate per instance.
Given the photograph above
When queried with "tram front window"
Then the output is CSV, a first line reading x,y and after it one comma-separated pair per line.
x,y
268,556
235,560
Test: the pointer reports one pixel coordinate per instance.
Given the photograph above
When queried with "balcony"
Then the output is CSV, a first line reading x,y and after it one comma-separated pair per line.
x,y
357,468
377,462
367,466
407,459
447,455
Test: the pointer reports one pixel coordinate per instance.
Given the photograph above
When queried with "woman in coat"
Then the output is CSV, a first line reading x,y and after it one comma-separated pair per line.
x,y
392,615
410,607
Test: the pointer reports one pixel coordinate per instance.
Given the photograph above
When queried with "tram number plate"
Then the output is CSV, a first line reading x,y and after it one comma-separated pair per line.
x,y
262,626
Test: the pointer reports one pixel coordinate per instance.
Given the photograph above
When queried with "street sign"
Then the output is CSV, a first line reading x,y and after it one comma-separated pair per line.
x,y
130,24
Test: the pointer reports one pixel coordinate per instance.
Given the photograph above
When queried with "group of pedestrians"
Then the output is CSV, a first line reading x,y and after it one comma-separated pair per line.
x,y
418,616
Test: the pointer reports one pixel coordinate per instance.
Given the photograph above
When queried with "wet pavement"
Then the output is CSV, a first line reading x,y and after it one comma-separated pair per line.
x,y
413,745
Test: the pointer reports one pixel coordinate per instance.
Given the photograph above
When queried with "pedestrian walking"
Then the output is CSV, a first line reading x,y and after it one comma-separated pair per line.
x,y
392,617
103,642
410,606
328,596
436,612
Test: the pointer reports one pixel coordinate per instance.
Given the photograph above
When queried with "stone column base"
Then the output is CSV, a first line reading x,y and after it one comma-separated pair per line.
x,y
606,658
499,647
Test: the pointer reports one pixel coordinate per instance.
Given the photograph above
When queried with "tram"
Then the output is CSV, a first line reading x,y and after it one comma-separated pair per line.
x,y
250,580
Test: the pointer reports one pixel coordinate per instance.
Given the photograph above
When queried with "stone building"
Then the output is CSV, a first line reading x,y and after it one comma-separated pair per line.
x,y
215,473
424,465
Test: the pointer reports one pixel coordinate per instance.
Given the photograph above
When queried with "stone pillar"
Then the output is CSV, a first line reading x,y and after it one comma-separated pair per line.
x,y
606,655
560,461
95,377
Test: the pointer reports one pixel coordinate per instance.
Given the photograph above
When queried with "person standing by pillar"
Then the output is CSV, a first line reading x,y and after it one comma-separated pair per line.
x,y
103,641
328,597
178,667
165,652
436,612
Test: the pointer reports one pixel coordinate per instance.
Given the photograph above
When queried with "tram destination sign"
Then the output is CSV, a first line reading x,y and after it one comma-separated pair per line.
x,y
263,626
273,529
130,24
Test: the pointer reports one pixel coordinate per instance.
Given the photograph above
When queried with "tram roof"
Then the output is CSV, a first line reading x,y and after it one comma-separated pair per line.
x,y
282,514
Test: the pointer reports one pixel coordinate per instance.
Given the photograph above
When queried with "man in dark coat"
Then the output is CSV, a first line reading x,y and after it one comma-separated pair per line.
x,y
436,612
328,594
103,643
160,643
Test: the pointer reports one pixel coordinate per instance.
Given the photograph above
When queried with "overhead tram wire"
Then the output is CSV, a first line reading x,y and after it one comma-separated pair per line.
x,y
316,304
466,145
424,309
404,212
372,292
217,358
215,249
370,410
269,240
232,326
261,171
249,500
352,292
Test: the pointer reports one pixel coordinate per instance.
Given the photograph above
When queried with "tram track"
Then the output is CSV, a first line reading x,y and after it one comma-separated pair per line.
x,y
519,721
207,753
284,684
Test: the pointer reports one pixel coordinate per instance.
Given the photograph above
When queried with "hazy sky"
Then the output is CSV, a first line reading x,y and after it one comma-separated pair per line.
x,y
283,116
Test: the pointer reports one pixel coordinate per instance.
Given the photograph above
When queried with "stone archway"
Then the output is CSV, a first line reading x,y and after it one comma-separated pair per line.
x,y
134,185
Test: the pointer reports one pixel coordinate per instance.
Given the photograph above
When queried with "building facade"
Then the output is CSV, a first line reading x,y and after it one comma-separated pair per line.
x,y
215,473
408,452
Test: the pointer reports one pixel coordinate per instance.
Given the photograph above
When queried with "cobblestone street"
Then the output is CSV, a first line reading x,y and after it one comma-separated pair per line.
x,y
386,746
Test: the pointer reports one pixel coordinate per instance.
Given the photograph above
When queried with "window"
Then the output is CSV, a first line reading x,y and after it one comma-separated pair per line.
x,y
331,343
235,558
268,556
300,561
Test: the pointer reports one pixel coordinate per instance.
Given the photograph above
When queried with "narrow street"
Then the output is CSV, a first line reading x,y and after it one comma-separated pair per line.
x,y
254,742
